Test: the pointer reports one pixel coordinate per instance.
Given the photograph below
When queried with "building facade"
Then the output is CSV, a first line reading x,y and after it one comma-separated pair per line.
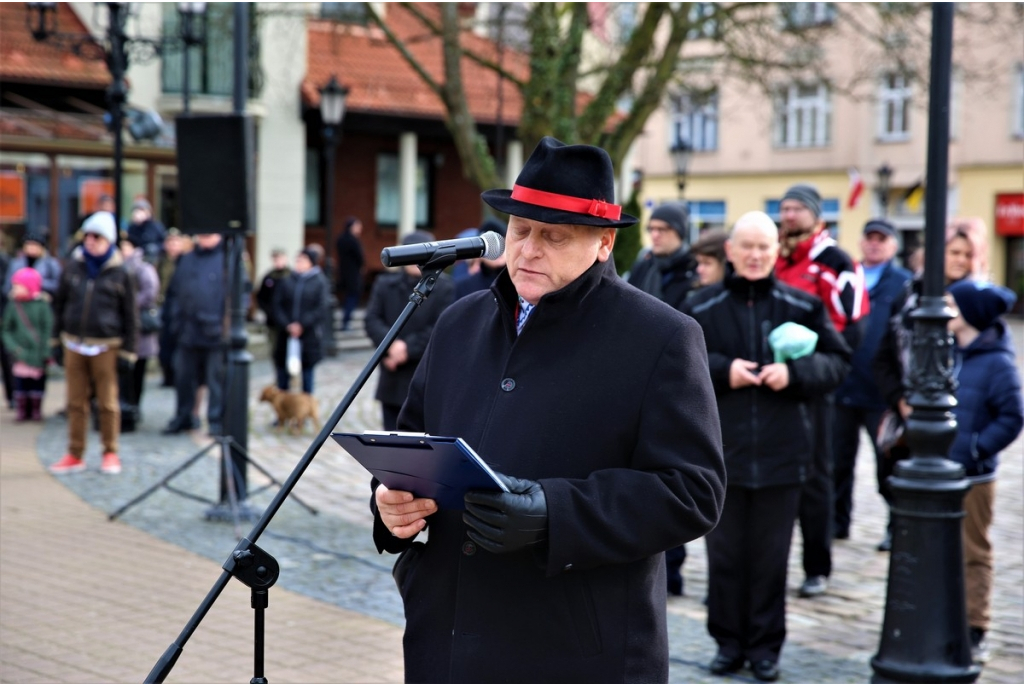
x,y
751,142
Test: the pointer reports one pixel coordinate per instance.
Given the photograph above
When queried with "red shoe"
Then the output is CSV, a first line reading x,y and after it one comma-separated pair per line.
x,y
68,464
111,464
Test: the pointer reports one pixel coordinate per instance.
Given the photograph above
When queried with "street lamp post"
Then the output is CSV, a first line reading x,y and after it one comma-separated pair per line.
x,y
191,17
924,631
884,173
119,49
332,111
682,153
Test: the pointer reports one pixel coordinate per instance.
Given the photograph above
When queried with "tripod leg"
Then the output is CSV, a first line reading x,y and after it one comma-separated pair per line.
x,y
163,481
270,477
230,475
260,601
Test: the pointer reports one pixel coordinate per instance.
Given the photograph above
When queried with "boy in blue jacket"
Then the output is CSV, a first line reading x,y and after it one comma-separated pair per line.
x,y
989,416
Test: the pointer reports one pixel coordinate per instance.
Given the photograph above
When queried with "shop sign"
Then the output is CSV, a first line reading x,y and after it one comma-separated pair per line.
x,y
12,197
1010,214
90,190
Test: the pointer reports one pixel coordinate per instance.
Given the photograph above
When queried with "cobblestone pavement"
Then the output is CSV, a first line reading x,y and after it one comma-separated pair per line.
x,y
330,556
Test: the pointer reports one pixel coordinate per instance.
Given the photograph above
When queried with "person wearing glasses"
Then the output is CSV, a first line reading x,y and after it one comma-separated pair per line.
x,y
668,271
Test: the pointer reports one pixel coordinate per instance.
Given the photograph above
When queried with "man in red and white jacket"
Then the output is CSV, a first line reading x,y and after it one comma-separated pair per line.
x,y
809,259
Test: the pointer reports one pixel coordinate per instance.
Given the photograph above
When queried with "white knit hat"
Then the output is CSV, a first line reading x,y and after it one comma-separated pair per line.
x,y
102,224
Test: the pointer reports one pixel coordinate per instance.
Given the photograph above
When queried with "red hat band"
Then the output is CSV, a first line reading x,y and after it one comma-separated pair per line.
x,y
567,203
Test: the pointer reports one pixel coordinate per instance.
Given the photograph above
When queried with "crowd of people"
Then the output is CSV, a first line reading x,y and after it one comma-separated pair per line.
x,y
599,402
805,345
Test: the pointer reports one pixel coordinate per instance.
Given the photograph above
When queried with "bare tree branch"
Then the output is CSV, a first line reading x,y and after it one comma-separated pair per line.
x,y
479,59
400,46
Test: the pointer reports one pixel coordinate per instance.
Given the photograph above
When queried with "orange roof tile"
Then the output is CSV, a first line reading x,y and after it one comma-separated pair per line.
x,y
381,81
23,59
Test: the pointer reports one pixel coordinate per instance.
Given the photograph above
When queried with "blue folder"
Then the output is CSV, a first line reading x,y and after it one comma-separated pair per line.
x,y
439,468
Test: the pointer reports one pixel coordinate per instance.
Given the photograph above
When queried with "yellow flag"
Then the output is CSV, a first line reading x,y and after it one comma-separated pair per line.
x,y
912,198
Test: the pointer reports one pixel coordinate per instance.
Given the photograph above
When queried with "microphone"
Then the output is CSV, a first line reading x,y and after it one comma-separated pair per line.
x,y
490,245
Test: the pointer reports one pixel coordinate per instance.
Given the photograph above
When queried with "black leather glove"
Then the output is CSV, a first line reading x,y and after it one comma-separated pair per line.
x,y
57,354
124,364
502,522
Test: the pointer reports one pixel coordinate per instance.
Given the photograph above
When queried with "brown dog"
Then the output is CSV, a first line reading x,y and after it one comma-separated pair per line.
x,y
293,408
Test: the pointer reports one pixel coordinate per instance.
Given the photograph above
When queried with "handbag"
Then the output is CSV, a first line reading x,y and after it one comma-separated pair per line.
x,y
293,357
891,431
149,320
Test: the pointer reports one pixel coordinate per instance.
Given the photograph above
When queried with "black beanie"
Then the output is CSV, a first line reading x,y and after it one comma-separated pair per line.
x,y
312,255
675,215
807,195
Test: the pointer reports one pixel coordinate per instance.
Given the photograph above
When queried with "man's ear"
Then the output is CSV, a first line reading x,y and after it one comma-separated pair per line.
x,y
604,249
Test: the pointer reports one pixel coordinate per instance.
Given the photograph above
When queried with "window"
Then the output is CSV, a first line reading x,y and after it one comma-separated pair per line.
x,y
702,21
211,63
345,12
829,213
705,214
388,201
1018,102
894,104
803,116
802,15
313,203
694,120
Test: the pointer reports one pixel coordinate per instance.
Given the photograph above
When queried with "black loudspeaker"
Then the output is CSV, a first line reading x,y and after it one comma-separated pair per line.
x,y
215,173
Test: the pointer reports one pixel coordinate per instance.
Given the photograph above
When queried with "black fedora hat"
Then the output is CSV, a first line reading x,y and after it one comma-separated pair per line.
x,y
564,184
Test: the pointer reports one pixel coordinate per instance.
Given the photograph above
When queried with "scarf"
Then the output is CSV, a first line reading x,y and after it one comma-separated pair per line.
x,y
662,271
93,265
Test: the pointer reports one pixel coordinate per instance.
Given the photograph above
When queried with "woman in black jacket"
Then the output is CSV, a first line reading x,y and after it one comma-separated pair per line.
x,y
302,311
765,402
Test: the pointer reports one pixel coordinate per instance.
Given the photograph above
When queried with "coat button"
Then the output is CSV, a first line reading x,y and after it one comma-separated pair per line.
x,y
567,567
508,385
469,548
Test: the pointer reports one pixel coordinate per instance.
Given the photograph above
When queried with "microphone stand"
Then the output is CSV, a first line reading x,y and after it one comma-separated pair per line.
x,y
250,564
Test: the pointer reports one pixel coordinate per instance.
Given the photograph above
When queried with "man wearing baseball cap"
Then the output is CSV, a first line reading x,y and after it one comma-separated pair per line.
x,y
859,402
593,401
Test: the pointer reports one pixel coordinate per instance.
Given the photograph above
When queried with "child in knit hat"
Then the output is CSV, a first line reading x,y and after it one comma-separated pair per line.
x,y
27,323
989,416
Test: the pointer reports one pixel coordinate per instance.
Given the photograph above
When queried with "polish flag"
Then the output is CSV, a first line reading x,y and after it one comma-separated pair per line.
x,y
856,188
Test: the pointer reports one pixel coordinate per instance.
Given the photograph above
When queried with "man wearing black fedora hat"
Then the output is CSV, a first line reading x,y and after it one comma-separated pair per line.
x,y
593,402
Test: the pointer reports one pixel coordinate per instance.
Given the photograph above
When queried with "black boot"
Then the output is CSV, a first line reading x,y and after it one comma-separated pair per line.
x,y
21,406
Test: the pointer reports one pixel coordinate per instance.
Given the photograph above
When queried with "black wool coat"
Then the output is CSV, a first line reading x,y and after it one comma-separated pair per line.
x,y
771,436
605,399
306,299
388,297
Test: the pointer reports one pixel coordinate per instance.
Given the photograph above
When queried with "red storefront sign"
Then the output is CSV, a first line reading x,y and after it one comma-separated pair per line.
x,y
1010,214
12,197
90,190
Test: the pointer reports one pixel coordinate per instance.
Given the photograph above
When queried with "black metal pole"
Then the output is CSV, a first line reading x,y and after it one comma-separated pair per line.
x,y
331,135
117,95
186,31
924,631
244,550
236,408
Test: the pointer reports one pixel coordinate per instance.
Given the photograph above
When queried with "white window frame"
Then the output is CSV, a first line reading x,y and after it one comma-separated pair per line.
x,y
895,102
803,119
694,119
387,207
802,15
